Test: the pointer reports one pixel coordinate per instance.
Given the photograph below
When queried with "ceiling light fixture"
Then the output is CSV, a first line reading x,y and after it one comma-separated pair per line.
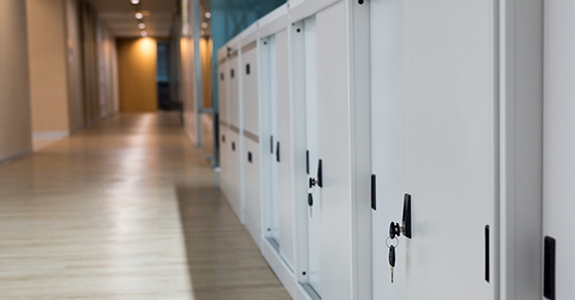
x,y
139,15
208,15
135,2
144,33
141,25
204,25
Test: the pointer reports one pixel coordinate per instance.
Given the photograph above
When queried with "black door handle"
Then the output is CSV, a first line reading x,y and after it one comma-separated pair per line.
x,y
407,215
487,260
278,151
549,268
373,192
405,228
307,161
319,180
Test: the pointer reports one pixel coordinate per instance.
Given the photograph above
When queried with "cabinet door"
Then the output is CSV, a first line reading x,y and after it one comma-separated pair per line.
x,y
250,95
334,144
559,148
451,144
283,146
251,139
388,149
235,131
224,123
312,145
233,95
268,138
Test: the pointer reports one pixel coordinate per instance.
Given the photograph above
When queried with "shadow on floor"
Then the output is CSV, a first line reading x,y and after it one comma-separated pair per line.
x,y
224,262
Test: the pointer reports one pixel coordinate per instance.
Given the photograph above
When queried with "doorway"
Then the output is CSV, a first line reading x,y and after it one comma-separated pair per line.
x,y
163,75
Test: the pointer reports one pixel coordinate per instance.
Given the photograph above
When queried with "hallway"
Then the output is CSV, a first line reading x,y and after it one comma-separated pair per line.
x,y
127,209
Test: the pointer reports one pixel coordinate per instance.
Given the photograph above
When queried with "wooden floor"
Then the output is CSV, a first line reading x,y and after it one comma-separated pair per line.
x,y
127,209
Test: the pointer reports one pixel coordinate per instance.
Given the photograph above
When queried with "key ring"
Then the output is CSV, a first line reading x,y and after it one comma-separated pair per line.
x,y
387,242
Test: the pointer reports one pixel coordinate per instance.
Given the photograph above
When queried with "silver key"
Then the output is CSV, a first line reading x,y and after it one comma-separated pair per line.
x,y
310,204
391,260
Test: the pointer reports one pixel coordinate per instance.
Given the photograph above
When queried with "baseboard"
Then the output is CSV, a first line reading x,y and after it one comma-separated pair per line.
x,y
16,156
50,135
282,271
303,293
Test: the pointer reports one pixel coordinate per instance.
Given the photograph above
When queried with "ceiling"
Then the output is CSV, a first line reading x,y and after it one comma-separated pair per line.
x,y
119,17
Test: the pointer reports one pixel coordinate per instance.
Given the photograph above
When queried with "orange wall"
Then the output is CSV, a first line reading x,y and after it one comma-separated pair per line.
x,y
137,74
206,47
48,73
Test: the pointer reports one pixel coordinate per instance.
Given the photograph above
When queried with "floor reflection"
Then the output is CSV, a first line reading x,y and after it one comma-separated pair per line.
x,y
224,261
99,215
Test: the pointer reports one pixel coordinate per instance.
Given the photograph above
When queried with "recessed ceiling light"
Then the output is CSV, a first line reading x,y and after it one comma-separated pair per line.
x,y
204,25
141,25
139,15
135,1
144,33
208,15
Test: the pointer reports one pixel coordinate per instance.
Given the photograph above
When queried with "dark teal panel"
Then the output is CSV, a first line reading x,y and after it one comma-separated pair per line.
x,y
230,17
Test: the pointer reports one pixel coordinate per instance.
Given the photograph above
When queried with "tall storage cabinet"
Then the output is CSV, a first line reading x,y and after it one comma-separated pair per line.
x,y
558,241
235,130
451,148
292,62
277,154
224,137
456,114
341,117
251,139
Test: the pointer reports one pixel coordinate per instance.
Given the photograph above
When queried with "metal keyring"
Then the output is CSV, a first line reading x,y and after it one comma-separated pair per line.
x,y
387,242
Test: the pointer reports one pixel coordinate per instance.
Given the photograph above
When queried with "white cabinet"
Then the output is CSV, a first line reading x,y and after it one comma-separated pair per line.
x,y
450,148
456,125
306,113
441,102
435,139
252,181
283,150
268,130
308,191
334,144
234,87
559,149
235,145
250,97
251,139
388,144
223,109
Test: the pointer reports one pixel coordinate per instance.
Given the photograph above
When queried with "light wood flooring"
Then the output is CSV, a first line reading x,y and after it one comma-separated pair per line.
x,y
127,209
